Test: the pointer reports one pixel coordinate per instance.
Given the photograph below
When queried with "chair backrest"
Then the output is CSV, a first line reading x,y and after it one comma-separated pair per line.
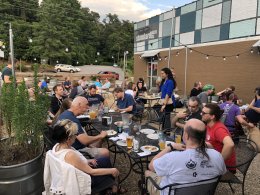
x,y
245,150
65,177
47,135
206,187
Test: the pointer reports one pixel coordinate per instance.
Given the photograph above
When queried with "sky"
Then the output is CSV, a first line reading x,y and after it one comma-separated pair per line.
x,y
133,10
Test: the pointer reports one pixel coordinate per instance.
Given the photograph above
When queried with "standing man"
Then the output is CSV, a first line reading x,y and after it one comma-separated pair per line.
x,y
7,71
197,89
218,135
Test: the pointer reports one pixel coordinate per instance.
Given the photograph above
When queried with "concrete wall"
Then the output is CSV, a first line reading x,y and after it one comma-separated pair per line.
x,y
242,72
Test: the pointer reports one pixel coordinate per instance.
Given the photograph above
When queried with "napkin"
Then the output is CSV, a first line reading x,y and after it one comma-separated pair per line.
x,y
114,138
123,136
145,153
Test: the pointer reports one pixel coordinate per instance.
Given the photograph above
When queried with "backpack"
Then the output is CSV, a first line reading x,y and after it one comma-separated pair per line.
x,y
224,115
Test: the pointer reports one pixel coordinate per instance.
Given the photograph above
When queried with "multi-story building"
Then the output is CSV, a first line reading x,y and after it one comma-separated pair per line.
x,y
212,41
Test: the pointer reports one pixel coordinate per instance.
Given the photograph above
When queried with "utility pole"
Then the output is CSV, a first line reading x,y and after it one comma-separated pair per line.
x,y
12,50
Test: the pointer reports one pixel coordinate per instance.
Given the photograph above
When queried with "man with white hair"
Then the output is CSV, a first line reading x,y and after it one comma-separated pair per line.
x,y
78,107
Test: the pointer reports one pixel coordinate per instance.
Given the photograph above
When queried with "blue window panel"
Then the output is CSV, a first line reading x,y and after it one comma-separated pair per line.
x,y
146,45
199,4
198,19
176,40
226,12
197,37
207,3
188,8
178,12
187,22
242,29
160,43
167,27
141,24
154,20
165,42
210,34
224,32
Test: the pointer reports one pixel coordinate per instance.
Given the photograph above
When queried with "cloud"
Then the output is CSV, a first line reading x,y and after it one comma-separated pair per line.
x,y
133,10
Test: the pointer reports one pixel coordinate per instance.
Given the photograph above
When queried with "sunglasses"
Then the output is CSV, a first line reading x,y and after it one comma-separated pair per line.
x,y
203,113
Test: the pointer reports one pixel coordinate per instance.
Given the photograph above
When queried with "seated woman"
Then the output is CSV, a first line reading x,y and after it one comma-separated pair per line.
x,y
100,169
65,105
131,89
76,90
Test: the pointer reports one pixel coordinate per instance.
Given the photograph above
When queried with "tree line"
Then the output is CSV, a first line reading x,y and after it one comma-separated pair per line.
x,y
62,31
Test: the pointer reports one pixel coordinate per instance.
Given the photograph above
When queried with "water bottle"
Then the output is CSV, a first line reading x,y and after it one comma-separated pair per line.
x,y
136,144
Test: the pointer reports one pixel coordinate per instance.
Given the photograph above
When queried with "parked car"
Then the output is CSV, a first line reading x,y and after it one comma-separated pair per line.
x,y
66,68
109,74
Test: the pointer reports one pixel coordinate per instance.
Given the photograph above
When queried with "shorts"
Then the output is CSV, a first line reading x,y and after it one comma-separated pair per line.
x,y
150,187
94,152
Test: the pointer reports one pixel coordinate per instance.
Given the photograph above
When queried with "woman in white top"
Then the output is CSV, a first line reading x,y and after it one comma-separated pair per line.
x,y
65,132
131,89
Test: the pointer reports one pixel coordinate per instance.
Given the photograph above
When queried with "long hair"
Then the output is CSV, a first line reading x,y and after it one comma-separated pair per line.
x,y
65,105
199,137
169,74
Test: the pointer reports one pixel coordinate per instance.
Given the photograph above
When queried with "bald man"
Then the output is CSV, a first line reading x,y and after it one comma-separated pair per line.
x,y
192,162
79,106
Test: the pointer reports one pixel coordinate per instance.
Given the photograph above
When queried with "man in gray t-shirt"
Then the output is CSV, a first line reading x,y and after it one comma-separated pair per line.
x,y
207,90
195,163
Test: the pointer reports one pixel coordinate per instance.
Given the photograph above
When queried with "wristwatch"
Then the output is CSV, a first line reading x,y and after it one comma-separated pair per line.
x,y
170,145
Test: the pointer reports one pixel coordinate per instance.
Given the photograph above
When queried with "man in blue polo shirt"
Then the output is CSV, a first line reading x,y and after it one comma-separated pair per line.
x,y
125,102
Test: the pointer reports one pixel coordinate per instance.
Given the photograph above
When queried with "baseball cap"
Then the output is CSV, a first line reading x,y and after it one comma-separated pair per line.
x,y
208,87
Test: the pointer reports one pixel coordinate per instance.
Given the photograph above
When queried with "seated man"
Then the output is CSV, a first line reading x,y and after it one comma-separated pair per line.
x,y
218,136
223,94
194,164
253,111
207,90
232,114
125,102
93,97
56,99
78,107
194,111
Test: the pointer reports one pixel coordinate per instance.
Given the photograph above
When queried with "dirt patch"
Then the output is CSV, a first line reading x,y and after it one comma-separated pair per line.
x,y
15,154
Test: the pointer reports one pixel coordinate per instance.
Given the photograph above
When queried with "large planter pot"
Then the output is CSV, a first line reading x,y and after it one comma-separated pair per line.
x,y
22,179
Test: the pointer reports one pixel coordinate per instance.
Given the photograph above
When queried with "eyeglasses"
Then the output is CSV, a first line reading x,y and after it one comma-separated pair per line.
x,y
203,113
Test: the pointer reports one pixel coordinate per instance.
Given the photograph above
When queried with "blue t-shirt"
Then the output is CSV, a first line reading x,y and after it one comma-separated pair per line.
x,y
167,89
69,115
126,102
44,85
252,115
98,84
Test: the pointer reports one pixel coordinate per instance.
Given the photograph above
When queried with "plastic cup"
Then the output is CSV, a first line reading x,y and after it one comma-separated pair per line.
x,y
129,142
177,138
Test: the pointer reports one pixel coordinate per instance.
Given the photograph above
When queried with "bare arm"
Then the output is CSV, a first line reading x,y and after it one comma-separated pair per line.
x,y
165,151
242,121
178,116
128,109
73,159
7,79
228,147
86,139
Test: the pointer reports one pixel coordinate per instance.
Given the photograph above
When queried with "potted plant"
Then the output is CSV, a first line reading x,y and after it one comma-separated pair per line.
x,y
22,148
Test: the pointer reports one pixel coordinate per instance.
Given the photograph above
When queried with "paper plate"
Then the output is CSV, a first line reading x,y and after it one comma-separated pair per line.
x,y
149,148
111,132
147,131
115,123
152,136
83,116
121,143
